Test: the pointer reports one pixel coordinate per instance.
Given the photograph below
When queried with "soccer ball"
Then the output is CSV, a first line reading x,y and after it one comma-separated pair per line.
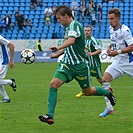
x,y
28,56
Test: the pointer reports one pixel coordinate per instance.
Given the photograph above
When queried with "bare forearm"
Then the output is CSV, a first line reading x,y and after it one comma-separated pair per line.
x,y
11,47
60,52
127,49
67,43
96,52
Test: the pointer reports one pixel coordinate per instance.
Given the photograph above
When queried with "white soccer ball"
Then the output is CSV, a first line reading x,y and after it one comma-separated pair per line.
x,y
28,56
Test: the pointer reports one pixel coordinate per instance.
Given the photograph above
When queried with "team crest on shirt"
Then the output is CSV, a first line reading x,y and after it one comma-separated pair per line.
x,y
116,34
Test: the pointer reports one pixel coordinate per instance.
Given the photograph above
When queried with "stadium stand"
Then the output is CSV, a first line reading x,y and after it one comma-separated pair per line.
x,y
39,30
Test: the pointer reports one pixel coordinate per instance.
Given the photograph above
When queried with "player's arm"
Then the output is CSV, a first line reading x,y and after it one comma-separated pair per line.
x,y
127,49
109,49
95,52
66,43
11,61
57,54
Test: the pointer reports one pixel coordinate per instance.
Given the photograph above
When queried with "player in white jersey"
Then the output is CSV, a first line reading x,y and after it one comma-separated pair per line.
x,y
121,48
4,62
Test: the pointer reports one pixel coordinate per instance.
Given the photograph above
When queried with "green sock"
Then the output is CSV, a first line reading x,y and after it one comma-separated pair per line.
x,y
101,91
52,99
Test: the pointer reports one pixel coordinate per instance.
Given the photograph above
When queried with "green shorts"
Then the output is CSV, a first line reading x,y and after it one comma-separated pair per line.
x,y
79,72
96,72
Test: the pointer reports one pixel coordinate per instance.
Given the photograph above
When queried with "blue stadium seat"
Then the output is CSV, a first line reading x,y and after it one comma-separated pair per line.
x,y
20,36
14,35
16,4
26,12
31,36
37,35
5,8
49,35
21,8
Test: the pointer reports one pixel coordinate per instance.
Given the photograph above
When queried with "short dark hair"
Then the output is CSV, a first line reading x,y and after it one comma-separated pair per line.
x,y
116,11
64,9
88,26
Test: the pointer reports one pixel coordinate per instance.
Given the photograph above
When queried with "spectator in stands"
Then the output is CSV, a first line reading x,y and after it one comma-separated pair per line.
x,y
93,22
82,3
106,1
39,2
2,24
82,8
33,4
111,1
28,22
8,22
47,18
99,14
88,11
39,45
21,21
16,15
49,12
93,3
54,9
74,9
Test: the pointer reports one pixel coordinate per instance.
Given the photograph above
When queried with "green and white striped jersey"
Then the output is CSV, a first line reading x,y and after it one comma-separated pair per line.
x,y
75,53
91,46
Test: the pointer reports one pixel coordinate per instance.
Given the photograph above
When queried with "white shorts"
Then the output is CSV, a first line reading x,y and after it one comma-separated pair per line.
x,y
3,71
117,70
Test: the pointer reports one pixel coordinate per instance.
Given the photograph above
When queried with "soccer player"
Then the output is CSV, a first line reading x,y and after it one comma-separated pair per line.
x,y
121,48
74,64
4,62
93,49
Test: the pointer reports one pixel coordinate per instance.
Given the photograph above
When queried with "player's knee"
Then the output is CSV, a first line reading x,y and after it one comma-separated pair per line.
x,y
105,79
53,84
88,92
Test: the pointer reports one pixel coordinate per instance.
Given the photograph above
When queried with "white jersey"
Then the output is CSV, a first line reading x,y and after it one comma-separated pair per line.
x,y
4,56
120,39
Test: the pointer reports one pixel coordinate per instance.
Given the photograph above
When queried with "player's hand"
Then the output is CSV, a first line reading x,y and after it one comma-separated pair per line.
x,y
112,53
53,49
53,55
11,64
89,53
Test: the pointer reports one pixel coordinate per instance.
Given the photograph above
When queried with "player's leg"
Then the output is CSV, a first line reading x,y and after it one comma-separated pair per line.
x,y
128,69
11,82
52,100
84,81
112,72
109,108
3,71
5,97
57,81
94,72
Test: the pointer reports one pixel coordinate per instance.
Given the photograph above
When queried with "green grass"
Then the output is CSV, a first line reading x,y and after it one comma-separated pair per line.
x,y
72,115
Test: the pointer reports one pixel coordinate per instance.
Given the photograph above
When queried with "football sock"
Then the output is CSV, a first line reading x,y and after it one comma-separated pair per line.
x,y
108,104
101,91
3,92
52,100
5,81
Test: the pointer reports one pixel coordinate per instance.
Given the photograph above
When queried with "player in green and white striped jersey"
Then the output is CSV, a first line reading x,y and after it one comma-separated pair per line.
x,y
74,64
92,49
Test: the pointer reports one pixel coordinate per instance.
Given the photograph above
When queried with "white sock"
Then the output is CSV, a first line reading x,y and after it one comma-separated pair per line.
x,y
3,92
5,81
108,104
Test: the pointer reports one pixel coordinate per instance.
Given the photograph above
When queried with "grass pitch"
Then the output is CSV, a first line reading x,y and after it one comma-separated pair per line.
x,y
72,115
